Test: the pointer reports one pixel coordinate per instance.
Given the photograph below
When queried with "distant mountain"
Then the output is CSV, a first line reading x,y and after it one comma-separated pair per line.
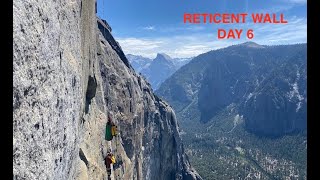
x,y
179,62
267,83
158,69
138,62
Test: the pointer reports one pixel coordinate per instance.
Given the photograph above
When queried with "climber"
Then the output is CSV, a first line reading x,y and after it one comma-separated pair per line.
x,y
111,129
109,159
107,162
109,125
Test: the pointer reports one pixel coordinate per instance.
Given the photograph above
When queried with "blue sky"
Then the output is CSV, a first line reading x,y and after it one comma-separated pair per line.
x,y
146,27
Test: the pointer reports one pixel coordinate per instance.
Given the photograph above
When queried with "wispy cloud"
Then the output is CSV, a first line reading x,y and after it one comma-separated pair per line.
x,y
176,46
141,46
277,9
297,1
149,28
293,32
197,43
282,6
183,27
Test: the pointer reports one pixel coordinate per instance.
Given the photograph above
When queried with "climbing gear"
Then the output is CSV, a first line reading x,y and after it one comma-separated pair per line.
x,y
114,130
108,135
113,159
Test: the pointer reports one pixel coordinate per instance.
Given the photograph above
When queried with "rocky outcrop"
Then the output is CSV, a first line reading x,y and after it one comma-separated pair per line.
x,y
68,74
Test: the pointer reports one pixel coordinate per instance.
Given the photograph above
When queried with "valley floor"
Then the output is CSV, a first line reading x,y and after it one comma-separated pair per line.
x,y
222,149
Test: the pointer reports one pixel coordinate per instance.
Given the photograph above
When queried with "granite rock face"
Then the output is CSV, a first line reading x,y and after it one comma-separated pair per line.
x,y
48,88
68,75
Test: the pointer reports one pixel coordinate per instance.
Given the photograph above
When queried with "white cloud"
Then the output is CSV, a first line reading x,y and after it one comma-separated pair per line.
x,y
140,46
176,46
150,28
190,50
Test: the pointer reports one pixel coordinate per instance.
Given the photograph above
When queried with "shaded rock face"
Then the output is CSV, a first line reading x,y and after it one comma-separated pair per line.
x,y
278,105
223,83
267,84
67,76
